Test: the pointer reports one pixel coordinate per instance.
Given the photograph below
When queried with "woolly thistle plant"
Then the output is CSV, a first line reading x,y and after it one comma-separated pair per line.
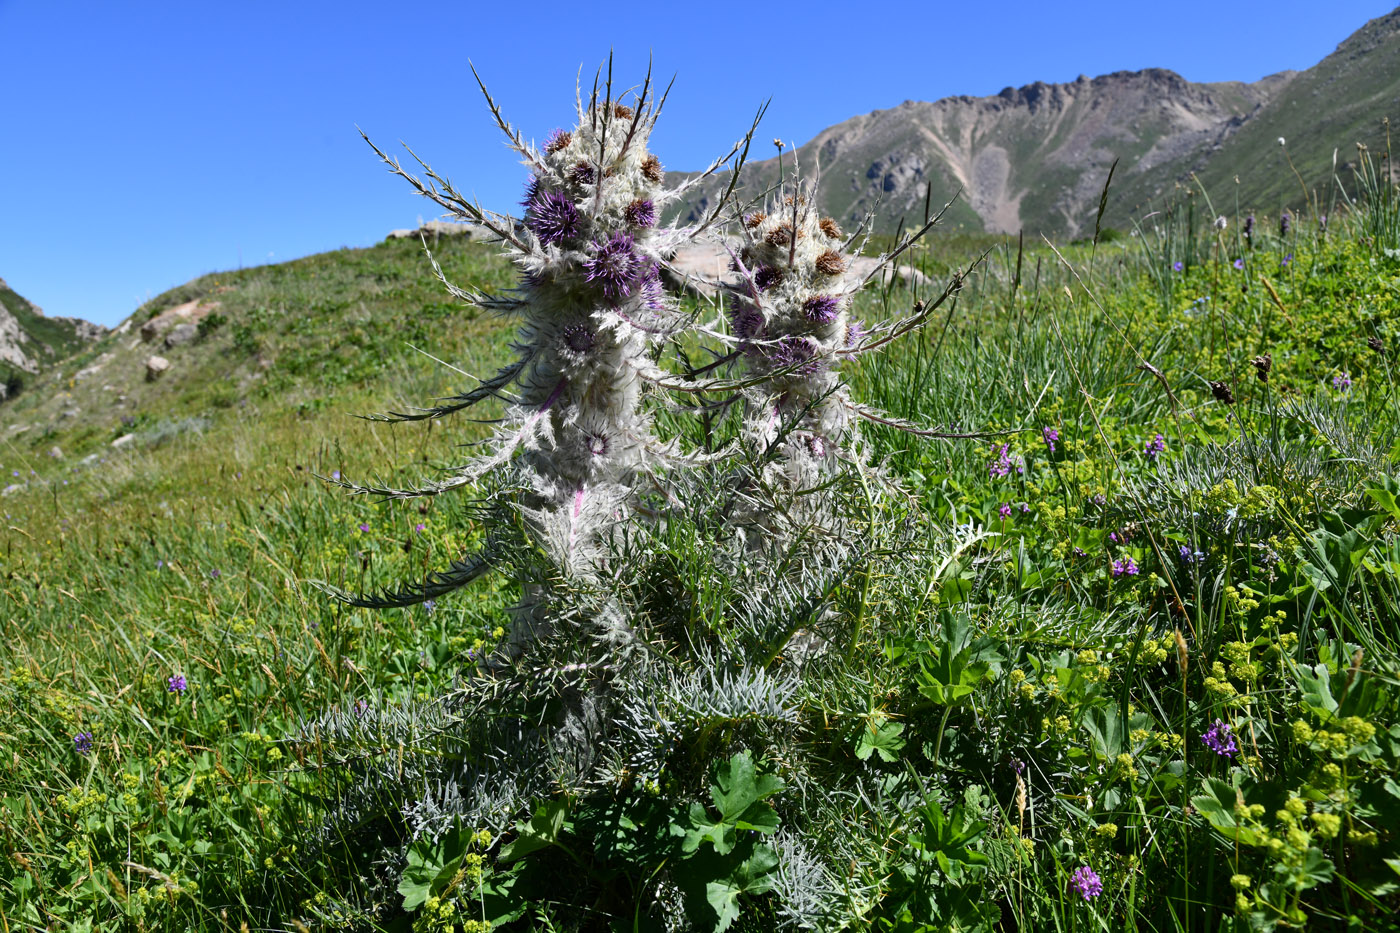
x,y
576,437
789,314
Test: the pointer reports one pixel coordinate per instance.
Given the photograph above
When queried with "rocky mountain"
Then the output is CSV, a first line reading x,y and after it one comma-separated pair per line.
x,y
1035,157
29,341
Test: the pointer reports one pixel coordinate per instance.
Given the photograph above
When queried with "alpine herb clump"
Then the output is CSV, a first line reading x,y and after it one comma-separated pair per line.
x,y
576,436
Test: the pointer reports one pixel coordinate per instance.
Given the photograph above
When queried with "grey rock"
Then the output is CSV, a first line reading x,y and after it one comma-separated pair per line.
x,y
181,334
156,367
124,441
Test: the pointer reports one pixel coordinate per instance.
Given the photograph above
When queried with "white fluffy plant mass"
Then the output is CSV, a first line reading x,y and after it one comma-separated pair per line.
x,y
576,438
791,314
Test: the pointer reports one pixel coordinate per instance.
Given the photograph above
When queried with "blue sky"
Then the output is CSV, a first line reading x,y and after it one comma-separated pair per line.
x,y
148,143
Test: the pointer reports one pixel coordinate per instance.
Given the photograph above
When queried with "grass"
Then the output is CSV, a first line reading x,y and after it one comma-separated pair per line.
x,y
1263,592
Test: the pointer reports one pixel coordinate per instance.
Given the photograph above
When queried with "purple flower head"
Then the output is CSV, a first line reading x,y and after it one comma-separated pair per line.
x,y
429,606
1051,436
215,573
364,526
821,309
649,286
335,474
816,445
582,174
1001,467
798,352
1341,381
765,277
855,333
1155,447
1080,552
177,684
1005,510
745,318
532,191
1239,263
361,707
614,265
1086,883
1219,740
553,217
579,337
1025,508
419,527
1285,223
1125,567
1189,556
1178,266
1287,259
641,213
82,742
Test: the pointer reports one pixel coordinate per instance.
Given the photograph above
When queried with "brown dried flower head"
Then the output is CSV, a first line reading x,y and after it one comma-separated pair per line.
x,y
622,111
754,219
1262,365
651,169
1375,343
559,141
1222,393
830,263
781,235
829,228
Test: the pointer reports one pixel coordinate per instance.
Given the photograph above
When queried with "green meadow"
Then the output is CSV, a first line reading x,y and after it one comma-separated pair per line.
x,y
1124,657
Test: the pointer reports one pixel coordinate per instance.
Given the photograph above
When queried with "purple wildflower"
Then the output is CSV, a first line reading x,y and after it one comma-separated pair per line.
x,y
798,352
364,526
1051,436
215,573
1341,381
1189,556
1025,508
419,527
1125,567
1287,259
1155,447
1219,740
821,309
361,707
1005,510
1285,223
1178,266
650,288
1001,467
855,333
552,216
335,474
765,277
82,742
641,213
1086,883
745,318
1080,552
429,606
1239,263
177,684
614,266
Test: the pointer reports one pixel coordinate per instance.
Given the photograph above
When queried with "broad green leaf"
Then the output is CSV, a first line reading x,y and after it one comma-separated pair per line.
x,y
880,735
541,832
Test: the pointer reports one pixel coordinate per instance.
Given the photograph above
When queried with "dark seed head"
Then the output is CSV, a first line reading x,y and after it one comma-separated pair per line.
x,y
622,111
1262,365
754,219
1222,393
579,337
582,174
829,228
1375,343
767,277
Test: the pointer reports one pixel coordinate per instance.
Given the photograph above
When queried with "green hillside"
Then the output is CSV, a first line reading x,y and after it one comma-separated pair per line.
x,y
41,341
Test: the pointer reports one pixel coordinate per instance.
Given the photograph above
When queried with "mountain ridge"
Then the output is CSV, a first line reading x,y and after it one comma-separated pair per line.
x,y
1035,157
